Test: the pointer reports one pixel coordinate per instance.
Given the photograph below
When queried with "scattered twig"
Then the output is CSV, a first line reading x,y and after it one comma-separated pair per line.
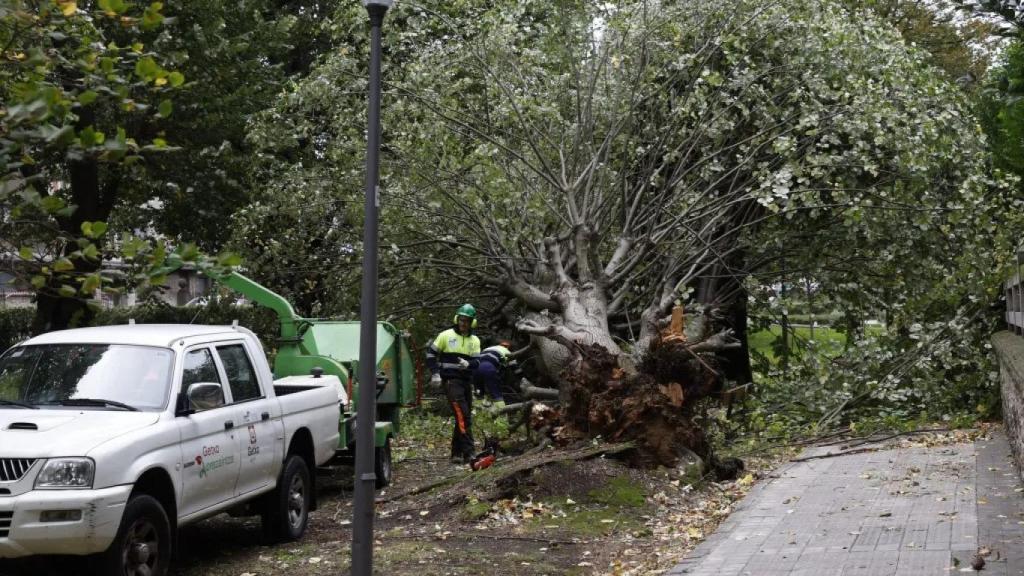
x,y
835,454
871,440
421,459
420,489
868,440
388,536
523,538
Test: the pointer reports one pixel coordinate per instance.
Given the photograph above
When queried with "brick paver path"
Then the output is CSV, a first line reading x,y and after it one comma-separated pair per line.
x,y
900,511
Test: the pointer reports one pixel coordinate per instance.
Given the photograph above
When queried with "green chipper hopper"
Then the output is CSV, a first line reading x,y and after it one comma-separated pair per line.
x,y
307,346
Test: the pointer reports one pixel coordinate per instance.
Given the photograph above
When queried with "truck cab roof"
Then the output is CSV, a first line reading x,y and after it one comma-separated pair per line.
x,y
162,335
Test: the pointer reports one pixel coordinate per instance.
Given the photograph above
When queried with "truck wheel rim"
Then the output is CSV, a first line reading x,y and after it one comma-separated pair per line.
x,y
296,501
141,549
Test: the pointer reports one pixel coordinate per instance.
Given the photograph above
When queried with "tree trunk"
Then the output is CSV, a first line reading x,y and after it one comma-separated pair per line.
x,y
726,293
92,203
736,361
583,321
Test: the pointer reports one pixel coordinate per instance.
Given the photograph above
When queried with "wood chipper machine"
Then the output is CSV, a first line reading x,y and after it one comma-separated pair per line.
x,y
311,346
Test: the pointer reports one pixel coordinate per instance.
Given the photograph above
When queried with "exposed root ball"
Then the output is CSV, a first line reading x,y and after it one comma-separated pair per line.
x,y
652,408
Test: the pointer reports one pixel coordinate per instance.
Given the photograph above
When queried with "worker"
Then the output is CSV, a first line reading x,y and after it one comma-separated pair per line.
x,y
452,358
494,361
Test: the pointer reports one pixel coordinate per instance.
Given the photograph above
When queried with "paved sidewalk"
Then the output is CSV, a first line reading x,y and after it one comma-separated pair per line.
x,y
901,511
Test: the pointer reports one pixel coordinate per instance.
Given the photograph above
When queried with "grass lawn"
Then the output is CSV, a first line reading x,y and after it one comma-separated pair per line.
x,y
826,340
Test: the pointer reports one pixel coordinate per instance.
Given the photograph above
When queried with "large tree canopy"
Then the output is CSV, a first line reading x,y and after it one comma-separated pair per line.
x,y
593,164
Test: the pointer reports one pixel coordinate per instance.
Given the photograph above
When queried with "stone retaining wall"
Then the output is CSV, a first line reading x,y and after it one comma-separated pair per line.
x,y
1010,350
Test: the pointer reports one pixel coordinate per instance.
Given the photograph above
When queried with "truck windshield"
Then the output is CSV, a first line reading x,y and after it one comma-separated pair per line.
x,y
94,376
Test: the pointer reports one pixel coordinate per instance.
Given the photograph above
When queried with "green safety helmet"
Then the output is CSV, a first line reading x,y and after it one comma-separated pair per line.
x,y
468,311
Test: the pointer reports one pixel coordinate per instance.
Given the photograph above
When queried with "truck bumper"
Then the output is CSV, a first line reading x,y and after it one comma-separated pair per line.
x,y
92,532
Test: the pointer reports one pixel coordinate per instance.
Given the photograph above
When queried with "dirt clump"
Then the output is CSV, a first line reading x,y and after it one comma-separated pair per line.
x,y
655,408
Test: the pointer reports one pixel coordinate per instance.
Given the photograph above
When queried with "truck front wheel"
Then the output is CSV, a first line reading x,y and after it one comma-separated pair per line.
x,y
286,513
142,546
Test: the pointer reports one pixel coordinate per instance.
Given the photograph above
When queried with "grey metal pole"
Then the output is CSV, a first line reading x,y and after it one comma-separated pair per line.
x,y
366,408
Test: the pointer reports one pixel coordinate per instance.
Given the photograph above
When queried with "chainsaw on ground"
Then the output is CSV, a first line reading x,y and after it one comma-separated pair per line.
x,y
486,457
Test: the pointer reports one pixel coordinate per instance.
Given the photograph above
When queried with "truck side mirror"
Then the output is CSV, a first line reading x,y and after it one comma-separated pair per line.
x,y
205,395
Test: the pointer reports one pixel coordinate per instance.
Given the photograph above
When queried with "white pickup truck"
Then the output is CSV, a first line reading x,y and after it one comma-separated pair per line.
x,y
112,438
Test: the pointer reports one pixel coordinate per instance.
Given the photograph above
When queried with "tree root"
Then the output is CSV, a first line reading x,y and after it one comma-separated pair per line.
x,y
536,392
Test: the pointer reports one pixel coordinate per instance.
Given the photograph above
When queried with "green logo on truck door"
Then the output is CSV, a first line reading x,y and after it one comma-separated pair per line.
x,y
207,464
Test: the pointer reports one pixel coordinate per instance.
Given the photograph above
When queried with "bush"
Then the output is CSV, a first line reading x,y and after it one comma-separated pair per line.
x,y
260,320
16,323
15,326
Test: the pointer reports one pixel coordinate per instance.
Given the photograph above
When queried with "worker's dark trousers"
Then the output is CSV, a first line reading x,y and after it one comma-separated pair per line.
x,y
490,375
460,396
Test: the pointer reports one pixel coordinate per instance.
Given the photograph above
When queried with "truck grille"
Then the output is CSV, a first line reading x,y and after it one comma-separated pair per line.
x,y
5,523
12,469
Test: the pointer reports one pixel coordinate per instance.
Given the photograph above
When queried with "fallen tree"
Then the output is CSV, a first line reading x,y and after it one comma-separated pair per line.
x,y
672,161
580,169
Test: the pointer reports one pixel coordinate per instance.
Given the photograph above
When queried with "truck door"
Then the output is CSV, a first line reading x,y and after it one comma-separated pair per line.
x,y
209,443
258,417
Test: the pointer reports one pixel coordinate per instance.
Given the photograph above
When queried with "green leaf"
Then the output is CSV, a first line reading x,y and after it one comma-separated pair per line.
x,y
113,6
91,283
87,97
63,265
94,229
57,136
165,108
67,291
188,252
38,281
25,253
91,137
131,246
229,259
91,252
176,79
151,17
147,69
52,204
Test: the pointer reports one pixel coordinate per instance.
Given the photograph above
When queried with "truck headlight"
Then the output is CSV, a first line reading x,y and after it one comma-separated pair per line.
x,y
66,473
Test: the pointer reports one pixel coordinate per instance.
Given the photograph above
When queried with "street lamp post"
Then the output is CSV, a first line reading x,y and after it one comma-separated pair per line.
x,y
366,410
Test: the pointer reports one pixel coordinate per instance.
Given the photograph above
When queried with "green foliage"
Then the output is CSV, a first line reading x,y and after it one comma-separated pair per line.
x,y
221,312
228,64
959,47
15,326
16,323
812,140
1002,110
933,373
78,102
